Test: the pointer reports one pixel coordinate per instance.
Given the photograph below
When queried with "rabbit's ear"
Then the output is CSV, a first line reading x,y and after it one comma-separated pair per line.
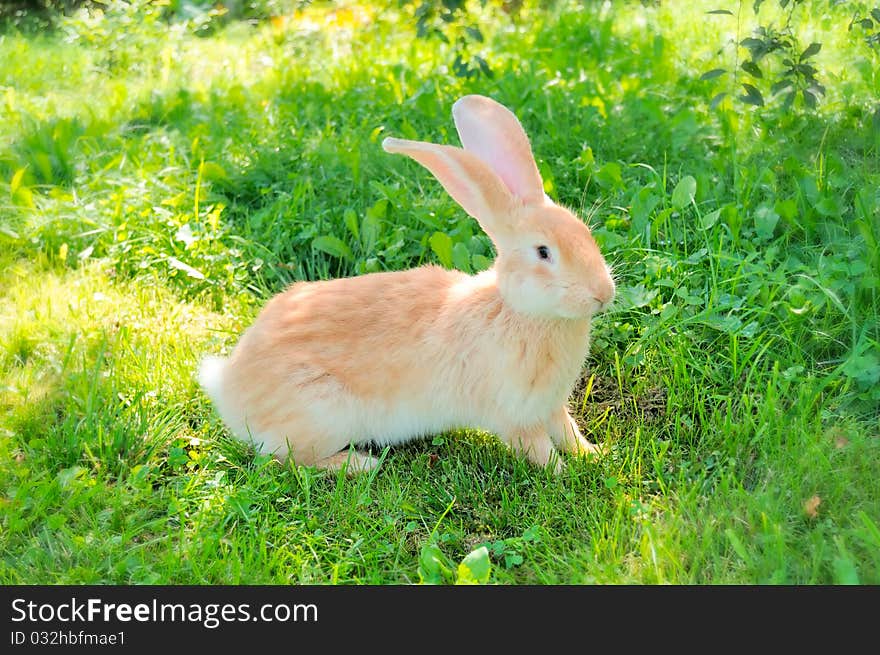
x,y
491,132
466,178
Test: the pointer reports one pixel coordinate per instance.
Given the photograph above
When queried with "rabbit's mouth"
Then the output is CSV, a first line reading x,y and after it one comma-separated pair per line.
x,y
578,302
604,300
599,295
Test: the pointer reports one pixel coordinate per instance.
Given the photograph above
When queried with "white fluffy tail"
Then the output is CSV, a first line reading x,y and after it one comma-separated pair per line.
x,y
211,376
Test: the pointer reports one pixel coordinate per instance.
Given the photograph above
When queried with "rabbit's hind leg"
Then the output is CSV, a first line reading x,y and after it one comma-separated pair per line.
x,y
533,443
356,461
566,435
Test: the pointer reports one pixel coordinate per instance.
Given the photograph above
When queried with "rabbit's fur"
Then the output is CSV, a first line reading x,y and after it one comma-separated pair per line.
x,y
389,357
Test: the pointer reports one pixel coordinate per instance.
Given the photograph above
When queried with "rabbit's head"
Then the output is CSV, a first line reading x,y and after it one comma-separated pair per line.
x,y
548,263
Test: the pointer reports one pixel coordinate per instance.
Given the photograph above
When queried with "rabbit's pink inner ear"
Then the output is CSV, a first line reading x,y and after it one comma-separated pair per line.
x,y
492,132
465,177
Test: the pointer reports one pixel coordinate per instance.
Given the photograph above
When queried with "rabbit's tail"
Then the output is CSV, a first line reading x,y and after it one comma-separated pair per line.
x,y
211,376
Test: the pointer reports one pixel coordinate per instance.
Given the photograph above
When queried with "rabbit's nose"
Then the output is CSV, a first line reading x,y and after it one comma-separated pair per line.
x,y
600,285
604,292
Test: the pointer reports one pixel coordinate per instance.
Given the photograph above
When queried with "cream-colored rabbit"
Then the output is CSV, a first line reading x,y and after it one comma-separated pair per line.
x,y
390,357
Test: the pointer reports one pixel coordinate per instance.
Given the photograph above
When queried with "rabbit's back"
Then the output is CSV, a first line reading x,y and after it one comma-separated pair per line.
x,y
362,331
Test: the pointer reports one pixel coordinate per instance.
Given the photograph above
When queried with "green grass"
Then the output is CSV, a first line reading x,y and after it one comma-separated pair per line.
x,y
156,189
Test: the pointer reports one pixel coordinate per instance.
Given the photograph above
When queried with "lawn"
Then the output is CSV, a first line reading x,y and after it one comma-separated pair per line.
x,y
161,179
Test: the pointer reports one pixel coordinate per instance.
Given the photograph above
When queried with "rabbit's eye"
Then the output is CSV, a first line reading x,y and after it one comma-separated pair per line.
x,y
543,252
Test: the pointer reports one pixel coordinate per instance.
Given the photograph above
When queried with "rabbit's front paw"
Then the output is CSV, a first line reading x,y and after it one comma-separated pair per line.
x,y
568,438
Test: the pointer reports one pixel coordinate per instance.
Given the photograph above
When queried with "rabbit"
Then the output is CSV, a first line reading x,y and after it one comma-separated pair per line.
x,y
389,357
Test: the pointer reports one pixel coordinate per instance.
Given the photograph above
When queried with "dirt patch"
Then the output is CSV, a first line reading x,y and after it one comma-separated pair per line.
x,y
472,541
596,395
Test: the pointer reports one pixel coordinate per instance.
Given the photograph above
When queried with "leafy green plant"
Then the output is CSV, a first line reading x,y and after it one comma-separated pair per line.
x,y
451,22
779,68
867,20
509,552
436,568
